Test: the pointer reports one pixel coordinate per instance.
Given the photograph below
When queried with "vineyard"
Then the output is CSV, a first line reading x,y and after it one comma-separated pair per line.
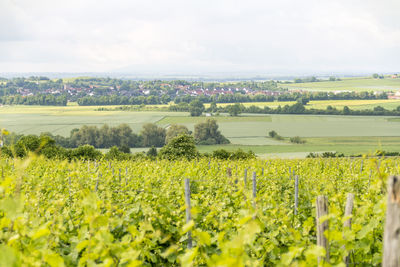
x,y
136,213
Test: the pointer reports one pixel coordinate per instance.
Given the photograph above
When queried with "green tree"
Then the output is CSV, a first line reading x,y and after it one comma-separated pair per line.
x,y
346,110
213,107
234,110
207,133
196,108
175,130
182,146
153,135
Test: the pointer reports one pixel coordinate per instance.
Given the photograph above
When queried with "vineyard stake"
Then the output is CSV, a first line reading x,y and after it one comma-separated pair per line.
x,y
322,210
296,193
97,183
119,174
254,189
188,215
347,224
391,237
245,177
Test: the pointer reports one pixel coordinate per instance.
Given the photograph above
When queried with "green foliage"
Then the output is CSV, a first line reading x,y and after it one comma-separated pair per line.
x,y
207,133
86,152
182,146
239,154
116,154
175,130
275,135
152,152
297,140
235,109
196,108
153,135
81,213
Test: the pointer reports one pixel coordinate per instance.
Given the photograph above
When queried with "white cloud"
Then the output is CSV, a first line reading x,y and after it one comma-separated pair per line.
x,y
199,36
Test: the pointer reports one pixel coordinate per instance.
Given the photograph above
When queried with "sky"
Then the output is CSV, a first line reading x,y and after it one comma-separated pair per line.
x,y
200,36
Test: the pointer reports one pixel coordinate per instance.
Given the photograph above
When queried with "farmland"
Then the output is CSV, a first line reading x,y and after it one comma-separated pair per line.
x,y
133,213
323,104
348,84
347,134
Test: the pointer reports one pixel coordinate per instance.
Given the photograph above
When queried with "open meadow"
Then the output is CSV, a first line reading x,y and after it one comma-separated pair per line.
x,y
346,134
348,84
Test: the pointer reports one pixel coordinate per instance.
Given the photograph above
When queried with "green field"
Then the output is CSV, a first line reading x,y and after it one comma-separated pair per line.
x,y
347,134
350,84
389,104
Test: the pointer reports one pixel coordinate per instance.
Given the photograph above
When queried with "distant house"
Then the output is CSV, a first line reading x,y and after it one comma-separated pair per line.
x,y
394,96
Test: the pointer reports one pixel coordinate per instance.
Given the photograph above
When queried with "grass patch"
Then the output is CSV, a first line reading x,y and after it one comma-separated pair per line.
x,y
350,84
219,119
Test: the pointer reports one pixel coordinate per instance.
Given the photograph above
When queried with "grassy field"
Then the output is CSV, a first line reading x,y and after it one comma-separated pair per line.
x,y
350,84
347,134
339,104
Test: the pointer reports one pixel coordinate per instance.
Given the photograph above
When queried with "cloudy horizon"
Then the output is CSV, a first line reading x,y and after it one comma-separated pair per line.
x,y
219,36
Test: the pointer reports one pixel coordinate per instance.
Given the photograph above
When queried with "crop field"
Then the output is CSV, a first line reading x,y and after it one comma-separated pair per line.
x,y
248,131
349,84
136,214
389,104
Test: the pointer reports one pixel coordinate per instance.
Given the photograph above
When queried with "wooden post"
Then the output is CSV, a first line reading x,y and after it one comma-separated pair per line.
x,y
369,178
119,174
361,168
262,171
322,209
391,236
347,224
126,171
69,186
97,182
296,194
229,172
254,189
209,164
188,215
245,177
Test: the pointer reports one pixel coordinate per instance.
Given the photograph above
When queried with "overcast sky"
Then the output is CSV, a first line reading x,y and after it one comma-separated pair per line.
x,y
200,36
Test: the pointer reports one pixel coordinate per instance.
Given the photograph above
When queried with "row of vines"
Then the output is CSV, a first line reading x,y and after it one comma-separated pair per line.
x,y
58,213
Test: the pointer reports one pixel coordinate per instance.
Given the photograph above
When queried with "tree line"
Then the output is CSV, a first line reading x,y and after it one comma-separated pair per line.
x,y
227,98
41,99
177,142
122,136
299,108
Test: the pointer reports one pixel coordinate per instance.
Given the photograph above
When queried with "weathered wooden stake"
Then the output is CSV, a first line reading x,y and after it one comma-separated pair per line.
x,y
245,177
361,168
69,186
254,189
347,224
296,194
322,210
229,172
188,215
97,182
391,236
